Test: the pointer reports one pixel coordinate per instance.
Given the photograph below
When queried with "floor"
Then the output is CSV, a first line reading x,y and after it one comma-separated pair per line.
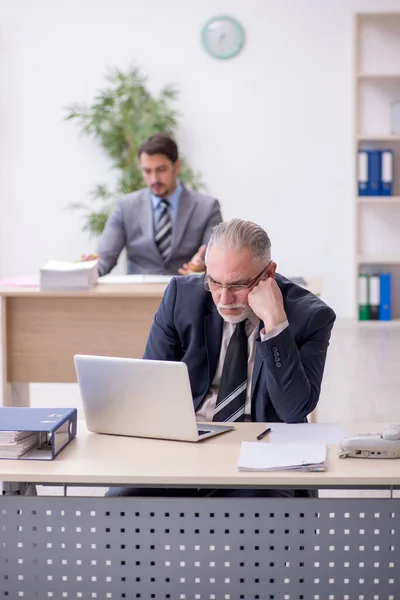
x,y
362,375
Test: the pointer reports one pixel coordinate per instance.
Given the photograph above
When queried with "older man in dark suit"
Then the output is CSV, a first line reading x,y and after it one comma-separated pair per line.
x,y
279,332
255,343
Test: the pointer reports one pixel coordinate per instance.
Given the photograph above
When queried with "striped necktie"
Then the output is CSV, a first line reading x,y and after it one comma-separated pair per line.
x,y
232,390
163,231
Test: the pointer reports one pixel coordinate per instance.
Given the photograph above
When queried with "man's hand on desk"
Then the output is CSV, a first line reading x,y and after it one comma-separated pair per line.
x,y
196,263
87,257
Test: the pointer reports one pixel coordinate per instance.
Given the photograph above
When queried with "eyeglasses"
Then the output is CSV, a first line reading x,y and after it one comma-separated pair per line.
x,y
213,286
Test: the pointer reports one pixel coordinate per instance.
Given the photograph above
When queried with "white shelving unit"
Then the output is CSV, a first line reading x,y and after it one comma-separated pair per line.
x,y
377,85
378,200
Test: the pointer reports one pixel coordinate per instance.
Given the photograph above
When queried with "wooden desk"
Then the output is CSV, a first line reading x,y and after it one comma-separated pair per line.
x,y
41,331
117,460
197,547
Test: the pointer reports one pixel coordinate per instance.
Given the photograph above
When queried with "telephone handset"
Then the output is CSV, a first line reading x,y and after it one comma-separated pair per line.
x,y
372,445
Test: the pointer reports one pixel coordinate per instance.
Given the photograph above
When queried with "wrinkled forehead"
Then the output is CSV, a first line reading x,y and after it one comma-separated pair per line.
x,y
227,265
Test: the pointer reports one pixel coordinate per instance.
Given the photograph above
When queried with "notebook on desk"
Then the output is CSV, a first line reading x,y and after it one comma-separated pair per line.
x,y
141,398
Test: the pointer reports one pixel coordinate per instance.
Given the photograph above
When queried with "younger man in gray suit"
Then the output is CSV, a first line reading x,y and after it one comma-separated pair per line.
x,y
164,227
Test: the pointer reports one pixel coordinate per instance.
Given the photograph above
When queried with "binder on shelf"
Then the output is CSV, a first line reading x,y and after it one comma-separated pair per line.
x,y
35,433
363,301
374,172
363,180
386,173
385,306
374,296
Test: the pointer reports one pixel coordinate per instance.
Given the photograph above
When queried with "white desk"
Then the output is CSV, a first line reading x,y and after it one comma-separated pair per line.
x,y
236,548
116,460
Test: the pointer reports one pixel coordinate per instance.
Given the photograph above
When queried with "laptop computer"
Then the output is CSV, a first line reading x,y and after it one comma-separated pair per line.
x,y
137,397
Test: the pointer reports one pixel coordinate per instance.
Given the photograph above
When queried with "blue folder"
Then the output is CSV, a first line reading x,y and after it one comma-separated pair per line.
x,y
385,305
55,428
374,172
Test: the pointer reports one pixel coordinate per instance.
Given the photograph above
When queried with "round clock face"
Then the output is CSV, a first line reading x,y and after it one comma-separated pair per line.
x,y
223,37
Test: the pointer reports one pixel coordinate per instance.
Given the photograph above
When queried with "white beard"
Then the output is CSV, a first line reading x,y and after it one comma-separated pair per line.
x,y
244,314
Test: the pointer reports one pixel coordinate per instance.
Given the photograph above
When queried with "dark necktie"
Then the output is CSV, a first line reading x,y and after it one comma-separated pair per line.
x,y
232,390
163,232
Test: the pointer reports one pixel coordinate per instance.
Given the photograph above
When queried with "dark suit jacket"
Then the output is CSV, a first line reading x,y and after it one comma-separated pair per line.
x,y
288,368
131,225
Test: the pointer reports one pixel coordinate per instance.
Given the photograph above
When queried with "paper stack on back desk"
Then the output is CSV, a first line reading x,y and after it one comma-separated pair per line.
x,y
256,456
57,275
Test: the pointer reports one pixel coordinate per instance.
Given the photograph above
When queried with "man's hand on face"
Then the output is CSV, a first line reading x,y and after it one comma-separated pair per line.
x,y
266,301
196,263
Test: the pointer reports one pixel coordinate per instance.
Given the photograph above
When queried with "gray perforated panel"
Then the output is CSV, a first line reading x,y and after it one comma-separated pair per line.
x,y
201,548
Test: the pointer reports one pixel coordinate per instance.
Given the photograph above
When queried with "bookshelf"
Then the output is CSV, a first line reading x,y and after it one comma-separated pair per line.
x,y
377,85
378,200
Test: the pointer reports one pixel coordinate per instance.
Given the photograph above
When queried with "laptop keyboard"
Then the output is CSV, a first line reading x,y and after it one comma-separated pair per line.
x,y
203,431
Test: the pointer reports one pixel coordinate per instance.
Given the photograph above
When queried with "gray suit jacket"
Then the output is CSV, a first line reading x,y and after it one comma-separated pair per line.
x,y
131,225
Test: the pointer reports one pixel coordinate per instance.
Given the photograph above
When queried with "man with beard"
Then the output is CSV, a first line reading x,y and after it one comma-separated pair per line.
x,y
255,343
164,227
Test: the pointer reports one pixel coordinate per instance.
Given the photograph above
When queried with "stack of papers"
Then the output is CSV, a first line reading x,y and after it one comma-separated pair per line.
x,y
57,275
14,444
256,456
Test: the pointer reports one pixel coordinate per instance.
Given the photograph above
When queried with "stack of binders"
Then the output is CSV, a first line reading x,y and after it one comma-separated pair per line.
x,y
375,172
374,297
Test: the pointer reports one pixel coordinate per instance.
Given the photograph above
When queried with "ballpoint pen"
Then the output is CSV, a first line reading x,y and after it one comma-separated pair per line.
x,y
264,433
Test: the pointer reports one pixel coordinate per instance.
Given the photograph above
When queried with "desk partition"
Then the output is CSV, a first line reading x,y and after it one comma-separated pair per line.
x,y
197,547
41,331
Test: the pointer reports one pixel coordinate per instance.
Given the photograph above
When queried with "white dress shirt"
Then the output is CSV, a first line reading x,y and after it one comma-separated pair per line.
x,y
205,411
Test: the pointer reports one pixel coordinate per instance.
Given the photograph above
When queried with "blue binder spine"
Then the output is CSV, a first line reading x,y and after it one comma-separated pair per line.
x,y
385,305
363,180
374,172
63,434
387,173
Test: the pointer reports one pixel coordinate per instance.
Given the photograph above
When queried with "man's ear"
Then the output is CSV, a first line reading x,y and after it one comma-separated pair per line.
x,y
177,166
272,270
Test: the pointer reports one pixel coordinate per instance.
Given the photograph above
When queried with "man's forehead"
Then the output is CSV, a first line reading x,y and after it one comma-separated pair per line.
x,y
231,264
232,255
154,159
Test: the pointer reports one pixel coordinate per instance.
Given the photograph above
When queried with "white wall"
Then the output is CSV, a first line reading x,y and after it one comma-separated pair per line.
x,y
271,131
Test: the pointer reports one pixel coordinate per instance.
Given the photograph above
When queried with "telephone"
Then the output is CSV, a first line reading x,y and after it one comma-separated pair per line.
x,y
372,445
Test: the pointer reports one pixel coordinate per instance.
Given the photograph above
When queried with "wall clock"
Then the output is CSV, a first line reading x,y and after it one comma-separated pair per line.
x,y
222,37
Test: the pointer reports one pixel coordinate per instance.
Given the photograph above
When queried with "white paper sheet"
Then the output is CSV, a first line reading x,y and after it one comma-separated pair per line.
x,y
306,433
